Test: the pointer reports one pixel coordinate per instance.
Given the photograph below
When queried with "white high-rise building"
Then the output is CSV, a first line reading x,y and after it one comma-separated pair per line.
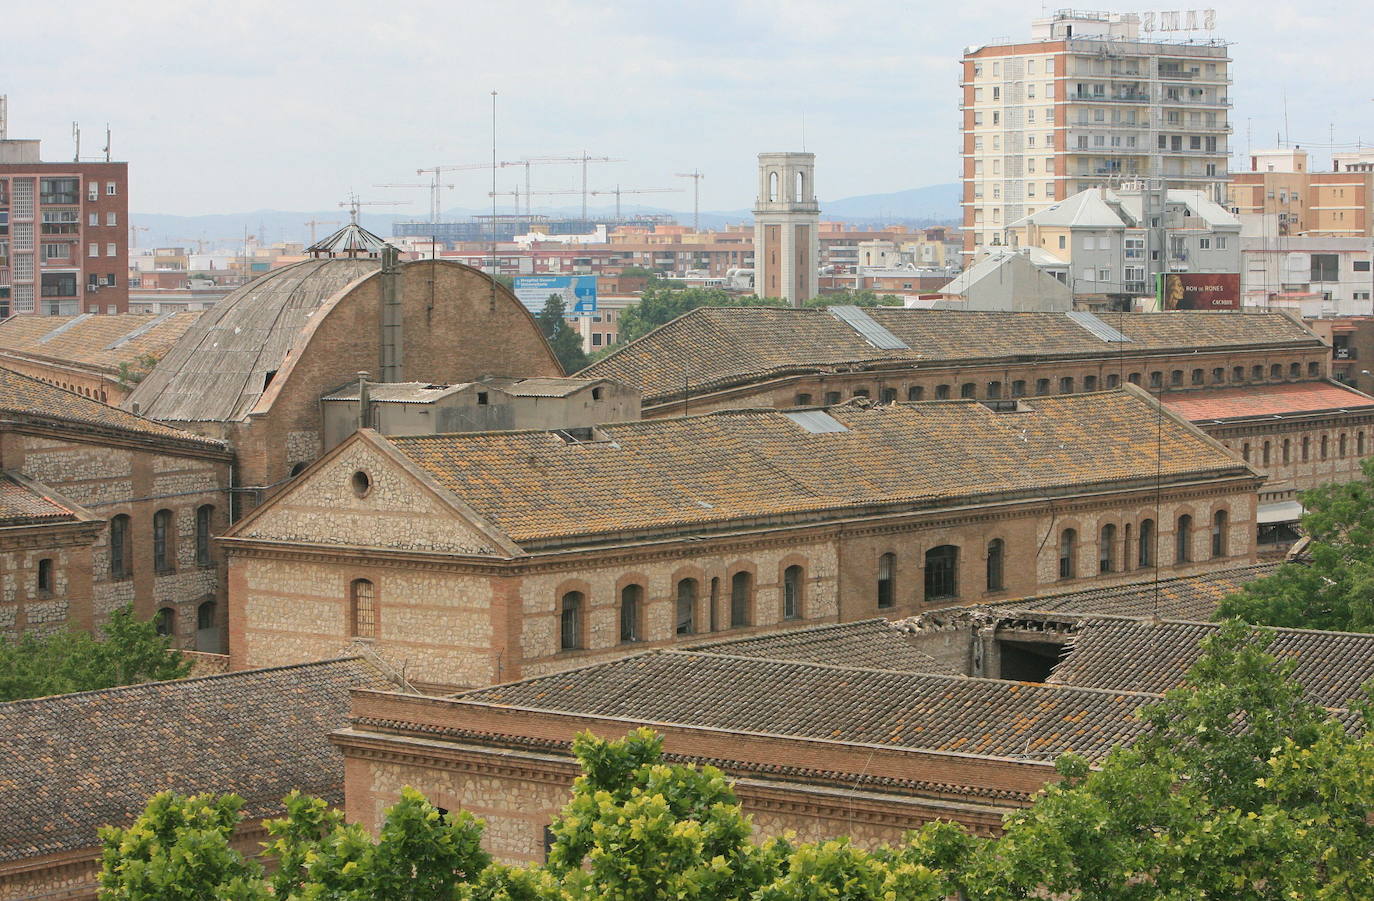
x,y
1091,99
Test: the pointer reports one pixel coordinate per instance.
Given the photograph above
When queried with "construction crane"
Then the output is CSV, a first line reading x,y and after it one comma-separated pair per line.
x,y
203,242
527,163
516,195
617,191
434,190
314,222
584,159
353,204
133,235
696,177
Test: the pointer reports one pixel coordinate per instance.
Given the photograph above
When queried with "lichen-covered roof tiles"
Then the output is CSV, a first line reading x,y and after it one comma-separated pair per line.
x,y
72,763
726,468
1195,597
96,341
867,643
218,370
22,503
719,347
28,397
1139,655
844,704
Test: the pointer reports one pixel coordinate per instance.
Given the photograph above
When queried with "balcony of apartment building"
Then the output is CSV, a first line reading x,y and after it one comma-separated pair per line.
x,y
1118,96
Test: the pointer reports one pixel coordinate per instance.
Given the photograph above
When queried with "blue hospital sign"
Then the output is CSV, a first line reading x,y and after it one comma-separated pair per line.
x,y
578,292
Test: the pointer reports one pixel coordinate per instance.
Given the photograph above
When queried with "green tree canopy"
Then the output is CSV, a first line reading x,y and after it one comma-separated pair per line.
x,y
566,343
1335,590
130,652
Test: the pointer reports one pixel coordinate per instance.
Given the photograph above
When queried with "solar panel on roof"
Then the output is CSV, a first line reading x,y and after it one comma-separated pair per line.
x,y
63,327
818,422
868,328
1099,328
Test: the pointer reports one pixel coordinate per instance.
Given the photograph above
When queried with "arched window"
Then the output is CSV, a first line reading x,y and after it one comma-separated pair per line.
x,y
1042,386
887,580
772,187
942,572
1126,547
1176,378
1359,444
164,553
1156,380
1089,383
298,468
1133,378
1219,535
801,187
1245,452
1068,554
1218,375
1018,388
994,390
1287,450
1183,539
792,592
997,553
686,607
207,628
205,615
1146,557
631,613
915,392
1264,453
570,621
741,598
1276,371
1341,445
166,621
205,515
1106,549
1113,380
968,389
1257,373
1198,376
362,609
1325,446
942,392
1066,385
1295,370
1306,448
46,584
1314,369
1238,374
121,551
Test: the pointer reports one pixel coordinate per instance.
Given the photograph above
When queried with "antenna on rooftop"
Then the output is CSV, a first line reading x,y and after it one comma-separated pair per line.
x,y
4,115
107,142
76,136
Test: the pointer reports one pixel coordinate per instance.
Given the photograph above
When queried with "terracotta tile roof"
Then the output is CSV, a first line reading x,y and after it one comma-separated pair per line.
x,y
21,503
1186,597
869,643
94,340
31,398
865,706
71,763
719,469
1138,655
717,347
1265,400
547,386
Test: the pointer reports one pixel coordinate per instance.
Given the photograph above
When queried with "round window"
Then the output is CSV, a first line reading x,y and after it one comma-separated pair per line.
x,y
362,483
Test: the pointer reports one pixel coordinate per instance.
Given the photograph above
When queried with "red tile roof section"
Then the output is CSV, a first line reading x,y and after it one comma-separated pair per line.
x,y
1265,400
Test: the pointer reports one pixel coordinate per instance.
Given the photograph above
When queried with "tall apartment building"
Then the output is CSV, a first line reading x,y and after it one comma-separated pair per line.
x,y
1280,183
63,233
1087,102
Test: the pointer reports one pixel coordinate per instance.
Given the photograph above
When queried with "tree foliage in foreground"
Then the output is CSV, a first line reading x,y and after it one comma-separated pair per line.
x,y
1335,590
660,304
563,339
1241,789
131,651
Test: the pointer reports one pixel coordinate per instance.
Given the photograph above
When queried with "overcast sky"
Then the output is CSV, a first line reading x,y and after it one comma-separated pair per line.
x,y
229,107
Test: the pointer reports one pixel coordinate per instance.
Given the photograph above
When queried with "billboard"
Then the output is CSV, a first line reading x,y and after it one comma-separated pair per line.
x,y
1198,290
578,292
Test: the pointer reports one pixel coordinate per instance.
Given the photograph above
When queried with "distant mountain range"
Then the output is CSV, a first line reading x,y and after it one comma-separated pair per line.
x,y
930,205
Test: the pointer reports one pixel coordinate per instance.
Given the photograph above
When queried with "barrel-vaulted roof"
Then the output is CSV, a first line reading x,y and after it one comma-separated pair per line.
x,y
219,369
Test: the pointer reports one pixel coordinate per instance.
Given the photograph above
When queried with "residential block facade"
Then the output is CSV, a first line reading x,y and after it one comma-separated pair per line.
x,y
1087,102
